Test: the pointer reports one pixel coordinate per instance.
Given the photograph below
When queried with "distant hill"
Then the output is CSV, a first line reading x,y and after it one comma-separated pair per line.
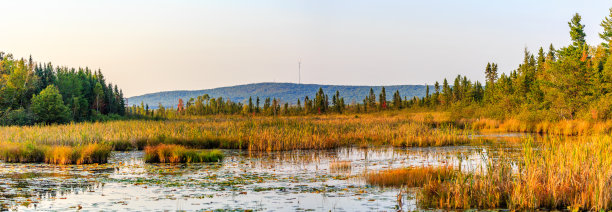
x,y
287,92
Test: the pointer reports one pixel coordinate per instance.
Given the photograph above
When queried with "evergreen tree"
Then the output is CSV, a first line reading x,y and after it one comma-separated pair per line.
x,y
607,30
577,31
383,98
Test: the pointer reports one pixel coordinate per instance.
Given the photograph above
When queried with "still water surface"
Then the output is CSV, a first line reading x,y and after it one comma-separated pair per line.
x,y
276,181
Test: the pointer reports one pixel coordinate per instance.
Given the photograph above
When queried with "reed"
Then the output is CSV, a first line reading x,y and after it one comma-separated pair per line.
x,y
410,177
171,153
241,132
562,127
340,166
573,174
420,135
31,153
485,190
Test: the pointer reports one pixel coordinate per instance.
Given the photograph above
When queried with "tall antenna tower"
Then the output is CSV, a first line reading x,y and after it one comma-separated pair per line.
x,y
300,71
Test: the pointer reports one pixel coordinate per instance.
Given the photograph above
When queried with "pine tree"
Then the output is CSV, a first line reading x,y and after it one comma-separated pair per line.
x,y
250,105
257,105
577,31
446,93
382,99
551,56
372,99
607,30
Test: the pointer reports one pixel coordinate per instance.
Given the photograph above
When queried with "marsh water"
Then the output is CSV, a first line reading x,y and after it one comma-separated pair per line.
x,y
301,180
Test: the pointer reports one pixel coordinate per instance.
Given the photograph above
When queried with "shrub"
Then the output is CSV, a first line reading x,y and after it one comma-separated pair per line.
x,y
49,106
17,117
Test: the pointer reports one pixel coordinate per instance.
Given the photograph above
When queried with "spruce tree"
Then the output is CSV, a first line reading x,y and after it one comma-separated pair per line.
x,y
607,30
577,31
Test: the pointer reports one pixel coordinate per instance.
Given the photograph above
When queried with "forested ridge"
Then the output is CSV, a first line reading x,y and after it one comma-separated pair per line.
x,y
286,92
33,92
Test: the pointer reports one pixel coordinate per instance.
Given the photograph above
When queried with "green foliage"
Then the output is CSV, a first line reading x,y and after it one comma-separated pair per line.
x,y
18,117
607,29
577,30
81,90
49,106
574,82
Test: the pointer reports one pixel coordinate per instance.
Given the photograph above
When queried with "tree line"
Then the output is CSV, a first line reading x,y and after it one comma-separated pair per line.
x,y
571,82
33,93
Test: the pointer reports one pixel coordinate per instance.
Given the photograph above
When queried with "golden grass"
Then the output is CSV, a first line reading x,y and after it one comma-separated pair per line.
x,y
420,135
410,177
170,153
252,133
563,127
469,190
431,117
32,153
555,174
340,166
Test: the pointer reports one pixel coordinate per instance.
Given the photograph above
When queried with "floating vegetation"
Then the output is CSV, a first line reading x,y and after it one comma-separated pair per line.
x,y
171,153
32,153
410,177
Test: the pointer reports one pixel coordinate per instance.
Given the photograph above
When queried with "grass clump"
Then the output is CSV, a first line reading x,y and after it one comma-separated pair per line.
x,y
340,166
21,153
171,153
469,190
61,155
410,177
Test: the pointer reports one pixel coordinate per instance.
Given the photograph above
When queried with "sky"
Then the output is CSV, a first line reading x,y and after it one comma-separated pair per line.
x,y
149,46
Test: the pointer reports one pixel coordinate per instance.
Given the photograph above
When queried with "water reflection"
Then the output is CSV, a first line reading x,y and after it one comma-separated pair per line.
x,y
285,180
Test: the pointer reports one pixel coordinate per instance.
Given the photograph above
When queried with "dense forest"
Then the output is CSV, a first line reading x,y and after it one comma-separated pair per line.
x,y
287,92
571,82
33,93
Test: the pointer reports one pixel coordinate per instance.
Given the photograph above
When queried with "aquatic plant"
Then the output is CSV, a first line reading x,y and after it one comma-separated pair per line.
x,y
32,153
571,174
171,153
410,177
562,127
340,166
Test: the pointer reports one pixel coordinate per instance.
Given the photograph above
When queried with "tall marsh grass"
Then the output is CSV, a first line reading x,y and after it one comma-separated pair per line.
x,y
171,153
33,153
239,132
556,174
562,127
410,177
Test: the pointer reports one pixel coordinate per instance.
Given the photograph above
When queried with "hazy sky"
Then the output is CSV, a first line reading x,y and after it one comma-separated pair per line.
x,y
148,46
